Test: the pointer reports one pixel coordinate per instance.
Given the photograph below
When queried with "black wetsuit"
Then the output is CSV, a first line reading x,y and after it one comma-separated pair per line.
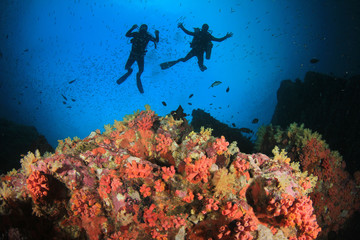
x,y
138,50
200,44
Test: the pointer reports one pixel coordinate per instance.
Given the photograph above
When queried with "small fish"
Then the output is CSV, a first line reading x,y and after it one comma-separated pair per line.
x,y
64,102
190,103
191,95
255,120
26,50
68,107
233,124
72,81
214,84
163,103
314,60
73,100
246,130
64,97
228,89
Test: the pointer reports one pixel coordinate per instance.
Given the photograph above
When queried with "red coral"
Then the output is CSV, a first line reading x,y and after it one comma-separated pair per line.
x,y
210,204
279,207
84,203
239,228
163,143
220,145
301,215
159,186
144,120
143,144
99,150
168,172
199,171
93,226
241,164
232,211
138,170
145,190
190,197
38,185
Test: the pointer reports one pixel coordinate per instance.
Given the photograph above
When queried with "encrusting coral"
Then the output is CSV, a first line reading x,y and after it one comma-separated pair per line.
x,y
336,196
151,177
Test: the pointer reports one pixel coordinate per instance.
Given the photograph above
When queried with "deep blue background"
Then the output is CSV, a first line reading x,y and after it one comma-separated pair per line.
x,y
46,44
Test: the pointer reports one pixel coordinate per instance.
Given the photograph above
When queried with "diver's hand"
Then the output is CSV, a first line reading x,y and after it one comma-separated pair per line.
x,y
229,34
156,32
180,25
134,26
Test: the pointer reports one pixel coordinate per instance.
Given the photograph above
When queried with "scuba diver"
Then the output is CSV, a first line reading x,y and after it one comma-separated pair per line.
x,y
139,42
200,44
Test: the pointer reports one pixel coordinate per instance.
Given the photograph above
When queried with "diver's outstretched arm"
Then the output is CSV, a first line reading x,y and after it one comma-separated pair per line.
x,y
130,33
181,26
221,39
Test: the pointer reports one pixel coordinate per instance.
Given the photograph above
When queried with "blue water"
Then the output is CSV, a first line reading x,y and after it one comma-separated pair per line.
x,y
46,44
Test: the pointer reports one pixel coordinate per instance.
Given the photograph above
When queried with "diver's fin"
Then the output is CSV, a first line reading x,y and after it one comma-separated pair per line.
x,y
167,65
124,77
138,83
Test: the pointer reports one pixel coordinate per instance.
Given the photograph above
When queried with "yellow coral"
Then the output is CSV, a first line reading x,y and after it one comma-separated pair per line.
x,y
223,182
233,148
108,129
118,125
206,132
280,157
6,192
29,159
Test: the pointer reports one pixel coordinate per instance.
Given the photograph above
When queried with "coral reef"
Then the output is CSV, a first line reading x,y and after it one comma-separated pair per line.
x,y
336,193
151,177
327,104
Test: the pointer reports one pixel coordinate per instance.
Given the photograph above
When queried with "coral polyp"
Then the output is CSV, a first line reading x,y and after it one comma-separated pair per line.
x,y
151,177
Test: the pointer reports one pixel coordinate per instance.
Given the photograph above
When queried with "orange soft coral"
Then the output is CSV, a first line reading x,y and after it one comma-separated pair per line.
x,y
163,143
220,145
38,185
138,170
301,215
199,171
85,203
168,172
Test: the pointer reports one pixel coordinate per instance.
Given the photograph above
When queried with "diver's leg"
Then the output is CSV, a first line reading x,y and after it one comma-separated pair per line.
x,y
169,64
140,63
188,56
128,65
200,58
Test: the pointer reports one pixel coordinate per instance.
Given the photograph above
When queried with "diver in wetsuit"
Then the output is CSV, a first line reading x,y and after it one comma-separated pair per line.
x,y
200,44
139,42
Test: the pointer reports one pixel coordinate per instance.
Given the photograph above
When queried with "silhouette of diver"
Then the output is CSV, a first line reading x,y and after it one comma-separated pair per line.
x,y
139,42
200,44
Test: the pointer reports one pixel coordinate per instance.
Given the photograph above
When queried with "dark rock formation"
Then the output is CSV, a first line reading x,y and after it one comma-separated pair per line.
x,y
201,118
17,140
328,105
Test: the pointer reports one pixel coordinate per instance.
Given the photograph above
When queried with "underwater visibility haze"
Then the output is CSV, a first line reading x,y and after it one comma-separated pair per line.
x,y
60,59
185,149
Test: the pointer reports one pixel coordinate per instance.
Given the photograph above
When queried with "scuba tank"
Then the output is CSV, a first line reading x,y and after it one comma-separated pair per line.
x,y
208,50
